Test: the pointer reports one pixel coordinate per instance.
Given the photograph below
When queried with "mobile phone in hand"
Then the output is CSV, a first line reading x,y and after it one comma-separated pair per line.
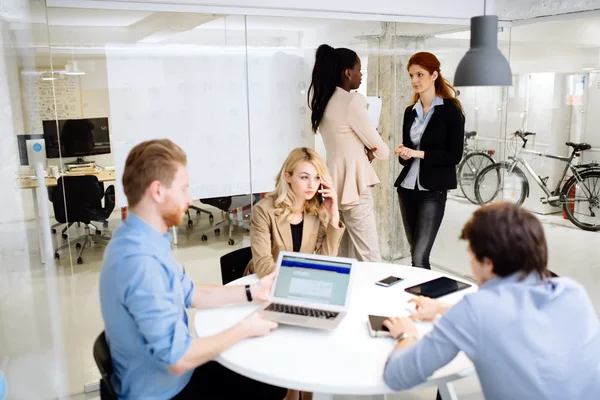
x,y
320,196
376,327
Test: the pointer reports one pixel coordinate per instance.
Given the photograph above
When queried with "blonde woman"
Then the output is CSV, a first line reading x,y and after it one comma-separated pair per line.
x,y
292,217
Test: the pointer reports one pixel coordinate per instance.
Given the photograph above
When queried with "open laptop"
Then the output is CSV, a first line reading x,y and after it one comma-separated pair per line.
x,y
310,290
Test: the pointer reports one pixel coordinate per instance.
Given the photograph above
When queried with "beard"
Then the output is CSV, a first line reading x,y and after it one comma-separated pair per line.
x,y
172,214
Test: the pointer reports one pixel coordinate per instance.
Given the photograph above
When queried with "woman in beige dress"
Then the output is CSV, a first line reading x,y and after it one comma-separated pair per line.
x,y
351,141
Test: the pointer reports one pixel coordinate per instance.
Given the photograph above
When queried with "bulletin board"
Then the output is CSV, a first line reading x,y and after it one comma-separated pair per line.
x,y
39,96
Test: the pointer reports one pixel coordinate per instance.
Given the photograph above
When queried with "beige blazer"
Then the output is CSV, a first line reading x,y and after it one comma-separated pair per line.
x,y
270,234
346,130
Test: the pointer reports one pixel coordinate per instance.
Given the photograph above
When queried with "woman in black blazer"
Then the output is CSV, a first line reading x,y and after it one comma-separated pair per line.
x,y
432,137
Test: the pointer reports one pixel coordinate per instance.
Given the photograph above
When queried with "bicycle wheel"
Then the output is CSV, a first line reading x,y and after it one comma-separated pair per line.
x,y
495,183
468,170
582,201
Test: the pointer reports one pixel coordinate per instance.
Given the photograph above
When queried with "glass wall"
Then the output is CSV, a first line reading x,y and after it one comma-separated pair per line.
x,y
232,91
35,299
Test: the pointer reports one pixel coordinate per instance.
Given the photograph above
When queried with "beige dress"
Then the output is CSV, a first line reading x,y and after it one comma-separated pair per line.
x,y
346,130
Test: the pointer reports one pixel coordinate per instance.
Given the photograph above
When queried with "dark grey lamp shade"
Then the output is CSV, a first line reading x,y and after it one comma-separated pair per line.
x,y
484,64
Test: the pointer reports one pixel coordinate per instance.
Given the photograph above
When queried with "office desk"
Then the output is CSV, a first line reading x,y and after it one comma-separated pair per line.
x,y
345,361
32,183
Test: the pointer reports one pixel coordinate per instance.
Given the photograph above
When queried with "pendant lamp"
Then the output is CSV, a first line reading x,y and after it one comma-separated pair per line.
x,y
483,64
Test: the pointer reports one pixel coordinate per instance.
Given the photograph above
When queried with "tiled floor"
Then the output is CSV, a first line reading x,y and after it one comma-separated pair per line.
x,y
39,304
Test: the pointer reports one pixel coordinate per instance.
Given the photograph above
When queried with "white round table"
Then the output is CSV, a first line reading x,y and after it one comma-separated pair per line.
x,y
345,361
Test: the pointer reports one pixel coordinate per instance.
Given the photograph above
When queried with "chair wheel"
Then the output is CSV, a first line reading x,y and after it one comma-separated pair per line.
x,y
198,213
211,218
53,230
231,242
79,260
204,238
78,246
217,231
190,223
56,256
105,224
98,232
65,236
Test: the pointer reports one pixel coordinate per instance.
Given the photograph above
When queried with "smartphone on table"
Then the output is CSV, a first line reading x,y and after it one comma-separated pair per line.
x,y
389,281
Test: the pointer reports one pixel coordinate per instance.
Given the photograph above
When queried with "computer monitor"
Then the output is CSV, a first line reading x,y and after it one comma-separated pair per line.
x,y
22,145
76,137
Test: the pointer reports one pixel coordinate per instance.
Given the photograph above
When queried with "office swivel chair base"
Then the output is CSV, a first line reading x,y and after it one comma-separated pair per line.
x,y
199,211
231,222
88,238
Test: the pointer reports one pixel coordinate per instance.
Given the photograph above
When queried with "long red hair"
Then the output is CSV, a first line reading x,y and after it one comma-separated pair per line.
x,y
431,64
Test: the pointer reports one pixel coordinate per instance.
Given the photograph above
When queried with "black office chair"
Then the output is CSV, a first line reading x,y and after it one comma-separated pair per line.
x,y
199,211
237,209
79,199
233,264
104,363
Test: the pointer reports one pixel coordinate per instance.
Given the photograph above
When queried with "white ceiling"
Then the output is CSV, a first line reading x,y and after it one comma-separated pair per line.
x,y
580,32
96,18
93,28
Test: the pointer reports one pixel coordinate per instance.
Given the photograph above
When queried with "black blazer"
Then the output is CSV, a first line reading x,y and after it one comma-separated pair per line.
x,y
442,142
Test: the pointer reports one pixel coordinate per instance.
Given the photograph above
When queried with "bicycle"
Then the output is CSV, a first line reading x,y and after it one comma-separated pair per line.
x,y
472,163
582,186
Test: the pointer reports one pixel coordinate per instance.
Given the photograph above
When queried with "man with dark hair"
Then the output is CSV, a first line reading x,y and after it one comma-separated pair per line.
x,y
529,336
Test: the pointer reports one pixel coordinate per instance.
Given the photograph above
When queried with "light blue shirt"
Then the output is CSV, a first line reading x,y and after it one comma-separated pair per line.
x,y
144,294
2,386
528,340
416,134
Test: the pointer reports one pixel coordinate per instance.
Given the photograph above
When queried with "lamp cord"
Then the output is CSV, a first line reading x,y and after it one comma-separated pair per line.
x,y
484,6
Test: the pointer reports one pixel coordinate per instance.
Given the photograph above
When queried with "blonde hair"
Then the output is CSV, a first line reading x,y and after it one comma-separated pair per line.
x,y
153,160
283,195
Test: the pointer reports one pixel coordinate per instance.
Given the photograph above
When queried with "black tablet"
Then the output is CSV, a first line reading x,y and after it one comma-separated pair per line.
x,y
437,288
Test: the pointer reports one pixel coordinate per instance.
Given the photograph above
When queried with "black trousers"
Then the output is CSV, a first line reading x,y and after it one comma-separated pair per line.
x,y
212,381
422,213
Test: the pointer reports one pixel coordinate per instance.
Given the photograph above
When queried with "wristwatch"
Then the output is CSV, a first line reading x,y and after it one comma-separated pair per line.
x,y
248,293
407,335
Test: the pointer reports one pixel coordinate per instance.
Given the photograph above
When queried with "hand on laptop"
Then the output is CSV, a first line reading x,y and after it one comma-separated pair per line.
x,y
260,291
427,309
255,325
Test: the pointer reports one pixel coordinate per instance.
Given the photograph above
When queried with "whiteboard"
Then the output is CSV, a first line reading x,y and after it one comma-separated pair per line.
x,y
279,113
199,99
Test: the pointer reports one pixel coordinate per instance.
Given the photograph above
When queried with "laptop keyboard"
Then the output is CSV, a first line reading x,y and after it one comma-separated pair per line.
x,y
295,310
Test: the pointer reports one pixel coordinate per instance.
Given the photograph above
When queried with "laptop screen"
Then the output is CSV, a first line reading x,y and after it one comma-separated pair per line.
x,y
306,279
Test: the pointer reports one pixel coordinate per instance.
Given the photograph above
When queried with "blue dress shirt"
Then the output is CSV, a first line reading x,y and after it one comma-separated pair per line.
x,y
528,339
144,294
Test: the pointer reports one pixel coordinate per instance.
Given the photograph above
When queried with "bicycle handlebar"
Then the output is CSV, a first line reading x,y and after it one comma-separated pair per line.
x,y
523,135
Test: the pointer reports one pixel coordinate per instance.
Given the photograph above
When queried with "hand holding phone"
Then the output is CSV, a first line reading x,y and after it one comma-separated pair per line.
x,y
389,281
376,327
320,196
